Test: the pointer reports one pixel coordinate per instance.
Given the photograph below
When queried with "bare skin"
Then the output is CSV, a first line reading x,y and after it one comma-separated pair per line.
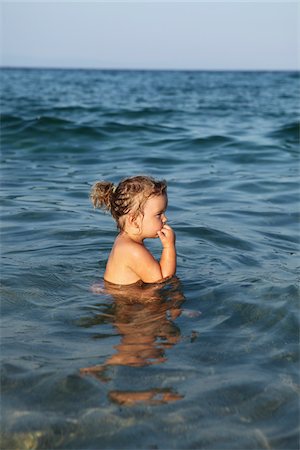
x,y
130,261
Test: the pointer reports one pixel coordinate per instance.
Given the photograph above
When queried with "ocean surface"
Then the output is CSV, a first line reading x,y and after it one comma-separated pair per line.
x,y
208,360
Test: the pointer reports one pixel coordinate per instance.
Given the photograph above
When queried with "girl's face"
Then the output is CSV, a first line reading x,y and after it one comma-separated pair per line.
x,y
154,216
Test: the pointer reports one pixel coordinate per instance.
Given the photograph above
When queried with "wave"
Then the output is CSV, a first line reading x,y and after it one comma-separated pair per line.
x,y
289,132
48,126
140,113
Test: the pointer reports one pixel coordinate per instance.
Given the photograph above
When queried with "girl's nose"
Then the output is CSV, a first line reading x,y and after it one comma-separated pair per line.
x,y
164,218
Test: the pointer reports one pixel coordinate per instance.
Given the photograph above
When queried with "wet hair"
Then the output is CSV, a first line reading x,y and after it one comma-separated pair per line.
x,y
130,195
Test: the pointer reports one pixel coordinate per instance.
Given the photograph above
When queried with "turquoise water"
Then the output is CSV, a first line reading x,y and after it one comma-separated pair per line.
x,y
209,360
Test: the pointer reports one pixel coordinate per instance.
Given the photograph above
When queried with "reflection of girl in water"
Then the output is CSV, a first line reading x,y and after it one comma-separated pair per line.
x,y
138,204
143,316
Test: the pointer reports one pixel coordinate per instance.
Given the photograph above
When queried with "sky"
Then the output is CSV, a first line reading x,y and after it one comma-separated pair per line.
x,y
187,35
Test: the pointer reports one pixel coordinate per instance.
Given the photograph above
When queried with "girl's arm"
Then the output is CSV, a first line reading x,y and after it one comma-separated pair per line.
x,y
168,256
147,267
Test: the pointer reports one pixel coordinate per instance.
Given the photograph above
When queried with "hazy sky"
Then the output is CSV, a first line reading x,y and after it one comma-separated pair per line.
x,y
158,35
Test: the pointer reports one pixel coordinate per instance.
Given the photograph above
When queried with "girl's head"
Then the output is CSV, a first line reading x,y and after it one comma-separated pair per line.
x,y
129,196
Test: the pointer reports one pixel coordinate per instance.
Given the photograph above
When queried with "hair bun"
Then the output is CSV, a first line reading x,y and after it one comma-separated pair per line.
x,y
101,194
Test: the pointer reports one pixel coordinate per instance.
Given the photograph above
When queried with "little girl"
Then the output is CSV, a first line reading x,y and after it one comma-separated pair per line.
x,y
138,205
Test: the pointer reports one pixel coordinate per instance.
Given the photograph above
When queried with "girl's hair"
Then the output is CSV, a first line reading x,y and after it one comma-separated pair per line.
x,y
130,195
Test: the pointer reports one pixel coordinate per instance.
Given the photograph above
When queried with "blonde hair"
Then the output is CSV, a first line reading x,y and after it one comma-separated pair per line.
x,y
130,195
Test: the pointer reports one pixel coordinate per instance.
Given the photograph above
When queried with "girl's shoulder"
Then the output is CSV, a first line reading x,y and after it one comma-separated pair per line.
x,y
126,247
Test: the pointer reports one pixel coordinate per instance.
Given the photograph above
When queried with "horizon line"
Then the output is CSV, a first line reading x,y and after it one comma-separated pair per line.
x,y
136,69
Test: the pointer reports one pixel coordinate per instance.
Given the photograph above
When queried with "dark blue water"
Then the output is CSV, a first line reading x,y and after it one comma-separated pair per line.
x,y
211,359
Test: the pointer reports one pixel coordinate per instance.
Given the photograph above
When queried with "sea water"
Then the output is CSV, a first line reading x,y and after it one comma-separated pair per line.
x,y
208,360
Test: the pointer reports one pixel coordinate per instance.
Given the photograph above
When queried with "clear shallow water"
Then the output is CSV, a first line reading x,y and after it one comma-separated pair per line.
x,y
212,361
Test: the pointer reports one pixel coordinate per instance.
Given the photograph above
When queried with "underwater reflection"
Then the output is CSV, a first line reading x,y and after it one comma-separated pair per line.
x,y
143,316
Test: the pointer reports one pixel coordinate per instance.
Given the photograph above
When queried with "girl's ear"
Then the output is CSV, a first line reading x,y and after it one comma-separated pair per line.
x,y
135,222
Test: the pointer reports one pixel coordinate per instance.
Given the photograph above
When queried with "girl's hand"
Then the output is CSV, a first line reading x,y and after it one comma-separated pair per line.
x,y
167,236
